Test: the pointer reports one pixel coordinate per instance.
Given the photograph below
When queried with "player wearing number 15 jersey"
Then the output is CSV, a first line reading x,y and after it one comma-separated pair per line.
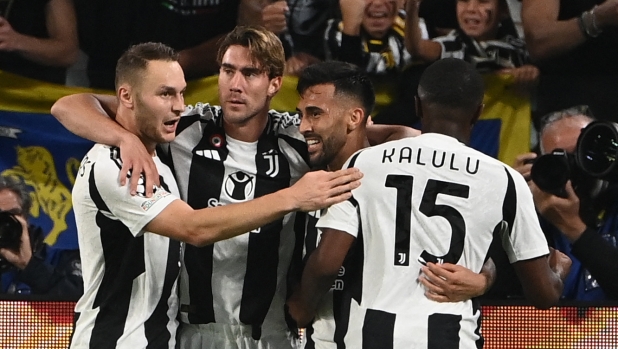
x,y
430,199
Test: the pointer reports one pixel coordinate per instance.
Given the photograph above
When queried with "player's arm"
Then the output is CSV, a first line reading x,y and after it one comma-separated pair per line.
x,y
86,114
455,283
315,190
542,278
319,274
378,134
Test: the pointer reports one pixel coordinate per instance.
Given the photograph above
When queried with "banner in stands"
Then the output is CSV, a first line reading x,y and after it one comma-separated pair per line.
x,y
504,128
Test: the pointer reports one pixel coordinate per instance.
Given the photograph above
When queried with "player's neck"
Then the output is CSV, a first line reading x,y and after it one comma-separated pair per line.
x,y
352,145
126,118
454,131
248,131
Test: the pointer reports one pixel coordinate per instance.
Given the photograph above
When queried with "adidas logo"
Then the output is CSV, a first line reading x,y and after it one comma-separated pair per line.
x,y
209,154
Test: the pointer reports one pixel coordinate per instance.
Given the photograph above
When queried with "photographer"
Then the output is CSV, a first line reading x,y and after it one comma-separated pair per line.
x,y
582,220
27,265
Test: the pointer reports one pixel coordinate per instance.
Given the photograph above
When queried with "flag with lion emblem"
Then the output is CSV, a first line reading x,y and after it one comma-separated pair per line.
x,y
41,153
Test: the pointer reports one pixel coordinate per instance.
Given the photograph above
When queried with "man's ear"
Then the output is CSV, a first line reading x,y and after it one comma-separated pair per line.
x,y
124,96
274,86
357,117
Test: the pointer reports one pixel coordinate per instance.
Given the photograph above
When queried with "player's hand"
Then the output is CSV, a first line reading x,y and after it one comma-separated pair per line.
x,y
559,262
136,158
274,16
451,283
299,311
523,164
320,189
20,258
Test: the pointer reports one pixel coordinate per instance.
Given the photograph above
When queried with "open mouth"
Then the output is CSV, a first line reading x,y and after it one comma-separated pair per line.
x,y
171,122
472,22
377,14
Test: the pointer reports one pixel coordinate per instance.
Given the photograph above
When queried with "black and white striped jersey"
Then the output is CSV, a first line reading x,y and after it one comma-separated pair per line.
x,y
130,275
427,198
240,280
330,324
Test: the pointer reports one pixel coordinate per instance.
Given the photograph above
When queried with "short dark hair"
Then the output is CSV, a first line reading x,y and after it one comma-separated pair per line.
x,y
453,84
135,60
264,45
348,79
19,189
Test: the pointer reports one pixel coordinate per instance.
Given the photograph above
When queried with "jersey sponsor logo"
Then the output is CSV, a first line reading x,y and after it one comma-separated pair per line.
x,y
159,194
209,154
273,162
239,186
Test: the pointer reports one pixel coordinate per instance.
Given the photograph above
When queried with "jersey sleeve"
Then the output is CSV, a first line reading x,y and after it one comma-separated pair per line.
x,y
342,216
134,211
525,239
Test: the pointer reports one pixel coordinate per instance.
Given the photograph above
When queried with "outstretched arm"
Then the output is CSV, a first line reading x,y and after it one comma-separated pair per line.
x,y
87,114
319,274
315,190
426,50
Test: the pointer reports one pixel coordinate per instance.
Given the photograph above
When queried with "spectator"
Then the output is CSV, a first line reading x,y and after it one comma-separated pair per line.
x,y
586,232
278,16
478,40
38,39
35,268
370,35
575,45
486,38
108,27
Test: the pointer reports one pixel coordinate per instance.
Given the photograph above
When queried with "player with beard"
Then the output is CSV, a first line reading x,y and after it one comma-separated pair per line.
x,y
130,244
336,99
428,211
232,293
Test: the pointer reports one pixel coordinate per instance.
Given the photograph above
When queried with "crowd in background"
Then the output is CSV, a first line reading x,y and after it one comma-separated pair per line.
x,y
561,53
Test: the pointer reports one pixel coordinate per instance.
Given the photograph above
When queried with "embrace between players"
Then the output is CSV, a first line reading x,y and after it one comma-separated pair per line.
x,y
281,228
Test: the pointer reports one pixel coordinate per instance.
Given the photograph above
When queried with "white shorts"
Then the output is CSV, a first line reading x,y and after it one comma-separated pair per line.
x,y
224,336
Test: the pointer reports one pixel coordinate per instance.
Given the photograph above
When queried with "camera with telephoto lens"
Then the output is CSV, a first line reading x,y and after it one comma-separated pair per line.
x,y
590,169
597,150
10,236
551,172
